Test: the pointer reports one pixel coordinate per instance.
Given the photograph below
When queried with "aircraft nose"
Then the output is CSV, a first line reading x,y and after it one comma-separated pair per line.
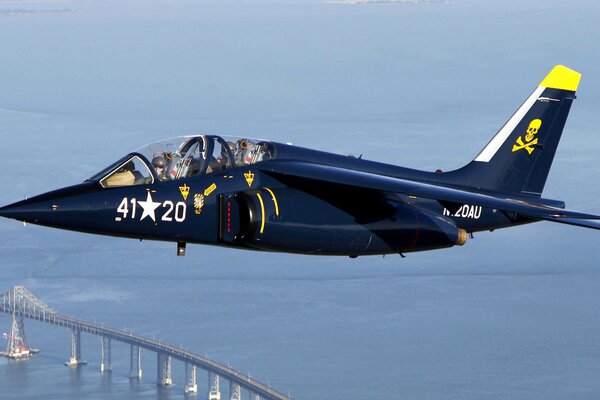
x,y
46,209
29,210
15,210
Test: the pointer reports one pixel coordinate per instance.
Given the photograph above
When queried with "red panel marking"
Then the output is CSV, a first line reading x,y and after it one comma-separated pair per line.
x,y
228,217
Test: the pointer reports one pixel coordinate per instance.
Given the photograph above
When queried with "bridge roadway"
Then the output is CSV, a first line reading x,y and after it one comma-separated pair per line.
x,y
41,312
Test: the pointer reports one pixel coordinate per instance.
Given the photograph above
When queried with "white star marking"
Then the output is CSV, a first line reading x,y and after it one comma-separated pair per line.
x,y
149,207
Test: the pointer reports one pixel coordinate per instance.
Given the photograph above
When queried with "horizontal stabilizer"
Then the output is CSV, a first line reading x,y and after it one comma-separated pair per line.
x,y
586,223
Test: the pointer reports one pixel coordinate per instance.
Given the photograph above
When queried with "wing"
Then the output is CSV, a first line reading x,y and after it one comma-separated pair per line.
x,y
326,173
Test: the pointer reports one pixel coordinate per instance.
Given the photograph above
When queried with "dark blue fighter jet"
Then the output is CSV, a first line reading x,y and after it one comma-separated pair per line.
x,y
262,195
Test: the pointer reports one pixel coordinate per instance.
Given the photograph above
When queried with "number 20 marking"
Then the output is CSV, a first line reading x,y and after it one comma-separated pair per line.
x,y
180,209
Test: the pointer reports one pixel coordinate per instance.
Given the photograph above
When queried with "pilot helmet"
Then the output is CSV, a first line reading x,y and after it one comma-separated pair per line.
x,y
159,161
248,153
231,146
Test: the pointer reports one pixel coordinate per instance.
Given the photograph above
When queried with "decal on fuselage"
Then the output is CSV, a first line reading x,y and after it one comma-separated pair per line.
x,y
465,211
198,203
249,176
185,191
210,189
128,208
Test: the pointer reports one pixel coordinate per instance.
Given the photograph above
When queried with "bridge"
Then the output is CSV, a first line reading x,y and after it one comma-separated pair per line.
x,y
21,303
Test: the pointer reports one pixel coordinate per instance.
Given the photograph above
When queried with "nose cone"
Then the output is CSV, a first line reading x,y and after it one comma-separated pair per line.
x,y
52,208
25,210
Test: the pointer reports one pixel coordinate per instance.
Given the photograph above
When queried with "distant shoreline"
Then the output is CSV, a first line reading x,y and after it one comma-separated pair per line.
x,y
12,12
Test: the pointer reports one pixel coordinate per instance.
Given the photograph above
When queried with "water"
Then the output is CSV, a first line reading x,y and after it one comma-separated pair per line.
x,y
511,314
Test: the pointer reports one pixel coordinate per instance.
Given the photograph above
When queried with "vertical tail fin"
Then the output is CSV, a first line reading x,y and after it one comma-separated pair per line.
x,y
518,158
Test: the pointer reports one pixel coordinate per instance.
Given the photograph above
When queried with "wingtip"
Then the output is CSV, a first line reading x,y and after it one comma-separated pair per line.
x,y
563,78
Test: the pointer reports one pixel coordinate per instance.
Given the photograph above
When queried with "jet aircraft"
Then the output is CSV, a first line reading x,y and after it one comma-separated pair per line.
x,y
263,195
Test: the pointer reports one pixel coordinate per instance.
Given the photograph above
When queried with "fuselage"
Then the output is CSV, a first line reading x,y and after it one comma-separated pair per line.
x,y
237,204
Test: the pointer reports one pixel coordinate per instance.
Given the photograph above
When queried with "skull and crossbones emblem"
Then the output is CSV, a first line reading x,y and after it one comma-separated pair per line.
x,y
530,139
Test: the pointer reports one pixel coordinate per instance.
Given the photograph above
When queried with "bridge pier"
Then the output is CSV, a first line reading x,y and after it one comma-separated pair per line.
x,y
190,379
17,342
105,361
235,391
75,359
163,369
214,393
135,369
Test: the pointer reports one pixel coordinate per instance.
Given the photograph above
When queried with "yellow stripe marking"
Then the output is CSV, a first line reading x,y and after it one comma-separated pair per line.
x,y
262,210
274,201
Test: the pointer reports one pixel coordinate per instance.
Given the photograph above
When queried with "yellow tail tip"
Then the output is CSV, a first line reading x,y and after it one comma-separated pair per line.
x,y
563,78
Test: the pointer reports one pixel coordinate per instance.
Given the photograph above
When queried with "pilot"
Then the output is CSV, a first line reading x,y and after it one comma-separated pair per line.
x,y
244,153
219,163
195,167
231,146
159,163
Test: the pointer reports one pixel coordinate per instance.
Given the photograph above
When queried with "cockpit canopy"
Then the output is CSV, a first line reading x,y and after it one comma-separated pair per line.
x,y
183,157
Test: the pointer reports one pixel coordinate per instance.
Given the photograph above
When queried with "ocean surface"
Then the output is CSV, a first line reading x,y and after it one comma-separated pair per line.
x,y
512,314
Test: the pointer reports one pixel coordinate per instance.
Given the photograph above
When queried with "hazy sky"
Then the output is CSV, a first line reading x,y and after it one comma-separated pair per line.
x,y
420,85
